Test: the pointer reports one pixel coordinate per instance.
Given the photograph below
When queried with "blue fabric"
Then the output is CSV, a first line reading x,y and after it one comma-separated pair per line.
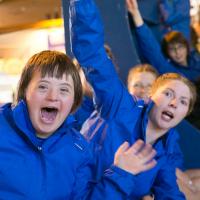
x,y
58,168
119,117
189,143
83,112
163,16
175,16
150,49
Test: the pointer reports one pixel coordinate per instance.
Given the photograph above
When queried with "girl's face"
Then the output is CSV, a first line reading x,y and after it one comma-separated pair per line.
x,y
140,84
49,102
172,101
178,53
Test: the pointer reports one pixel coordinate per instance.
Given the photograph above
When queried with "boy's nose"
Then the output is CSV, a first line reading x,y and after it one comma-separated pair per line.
x,y
52,95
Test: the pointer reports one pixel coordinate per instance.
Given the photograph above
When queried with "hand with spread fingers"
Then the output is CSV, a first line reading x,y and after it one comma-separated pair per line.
x,y
136,158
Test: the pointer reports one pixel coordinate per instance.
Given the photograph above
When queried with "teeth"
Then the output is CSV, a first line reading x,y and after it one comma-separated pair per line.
x,y
48,114
168,114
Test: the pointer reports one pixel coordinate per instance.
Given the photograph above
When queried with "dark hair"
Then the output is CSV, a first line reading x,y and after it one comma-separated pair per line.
x,y
173,37
53,64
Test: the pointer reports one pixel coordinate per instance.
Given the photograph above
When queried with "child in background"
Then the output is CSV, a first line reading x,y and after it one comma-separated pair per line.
x,y
175,46
140,79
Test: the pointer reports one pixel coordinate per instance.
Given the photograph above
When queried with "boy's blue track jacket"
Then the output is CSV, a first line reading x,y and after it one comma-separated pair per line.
x,y
119,118
60,167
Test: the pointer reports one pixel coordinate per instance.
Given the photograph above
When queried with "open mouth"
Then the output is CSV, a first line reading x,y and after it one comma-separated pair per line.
x,y
167,115
49,114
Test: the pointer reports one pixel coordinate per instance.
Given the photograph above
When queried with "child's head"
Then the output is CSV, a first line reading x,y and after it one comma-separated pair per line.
x,y
161,80
174,97
51,87
52,64
140,80
176,47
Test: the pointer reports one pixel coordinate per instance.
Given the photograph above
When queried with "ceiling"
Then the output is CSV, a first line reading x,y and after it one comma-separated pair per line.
x,y
17,13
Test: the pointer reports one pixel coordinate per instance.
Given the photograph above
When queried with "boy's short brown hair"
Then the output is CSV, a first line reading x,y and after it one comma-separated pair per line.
x,y
53,64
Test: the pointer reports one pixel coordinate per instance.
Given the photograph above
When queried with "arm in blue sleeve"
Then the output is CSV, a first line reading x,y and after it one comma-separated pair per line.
x,y
150,49
174,11
87,39
115,183
165,186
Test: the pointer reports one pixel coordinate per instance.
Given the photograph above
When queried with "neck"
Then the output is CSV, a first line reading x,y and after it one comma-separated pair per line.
x,y
153,133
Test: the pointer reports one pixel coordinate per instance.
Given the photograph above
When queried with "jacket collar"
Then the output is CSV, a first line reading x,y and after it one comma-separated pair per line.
x,y
169,139
23,122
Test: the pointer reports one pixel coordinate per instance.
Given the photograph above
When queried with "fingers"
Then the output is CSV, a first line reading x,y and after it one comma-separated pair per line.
x,y
144,151
136,147
187,192
185,179
123,147
196,183
147,154
149,165
135,159
131,5
182,176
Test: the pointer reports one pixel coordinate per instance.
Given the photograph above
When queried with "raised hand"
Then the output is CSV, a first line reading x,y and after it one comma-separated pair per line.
x,y
136,158
132,7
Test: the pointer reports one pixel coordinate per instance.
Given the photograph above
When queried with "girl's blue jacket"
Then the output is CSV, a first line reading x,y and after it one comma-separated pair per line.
x,y
119,118
57,168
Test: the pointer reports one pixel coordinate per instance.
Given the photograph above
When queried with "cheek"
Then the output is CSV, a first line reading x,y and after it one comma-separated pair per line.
x,y
182,113
67,105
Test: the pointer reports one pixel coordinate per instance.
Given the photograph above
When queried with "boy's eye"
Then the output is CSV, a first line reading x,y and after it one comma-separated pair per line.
x,y
64,90
42,87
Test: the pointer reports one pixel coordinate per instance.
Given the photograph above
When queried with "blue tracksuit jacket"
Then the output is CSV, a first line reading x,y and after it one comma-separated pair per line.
x,y
175,16
151,51
58,167
120,118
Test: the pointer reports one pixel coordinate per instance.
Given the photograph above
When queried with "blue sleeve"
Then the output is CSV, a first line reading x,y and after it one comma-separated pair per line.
x,y
115,183
88,48
165,186
175,11
176,158
83,112
150,49
87,37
